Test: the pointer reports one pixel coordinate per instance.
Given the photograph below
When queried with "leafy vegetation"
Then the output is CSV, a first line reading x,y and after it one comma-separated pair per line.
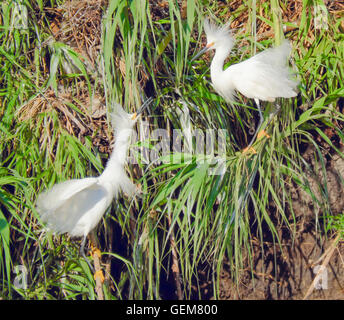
x,y
188,220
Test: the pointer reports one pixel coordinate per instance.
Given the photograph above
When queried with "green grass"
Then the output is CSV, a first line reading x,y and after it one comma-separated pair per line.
x,y
212,217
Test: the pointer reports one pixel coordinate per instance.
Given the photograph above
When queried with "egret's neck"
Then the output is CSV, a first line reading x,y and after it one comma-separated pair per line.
x,y
216,66
119,154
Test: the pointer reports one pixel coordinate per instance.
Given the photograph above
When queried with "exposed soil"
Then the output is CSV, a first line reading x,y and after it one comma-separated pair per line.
x,y
288,274
287,271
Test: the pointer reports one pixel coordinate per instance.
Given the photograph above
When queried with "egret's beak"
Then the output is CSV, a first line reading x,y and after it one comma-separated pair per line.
x,y
142,108
204,50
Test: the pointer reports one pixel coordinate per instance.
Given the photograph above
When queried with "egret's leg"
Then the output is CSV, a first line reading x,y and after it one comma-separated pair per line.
x,y
96,255
261,119
273,114
82,252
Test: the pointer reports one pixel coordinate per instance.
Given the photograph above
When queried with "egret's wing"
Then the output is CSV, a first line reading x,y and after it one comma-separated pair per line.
x,y
76,214
59,193
276,57
51,200
266,75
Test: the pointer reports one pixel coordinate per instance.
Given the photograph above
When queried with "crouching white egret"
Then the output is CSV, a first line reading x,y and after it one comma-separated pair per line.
x,y
76,206
265,76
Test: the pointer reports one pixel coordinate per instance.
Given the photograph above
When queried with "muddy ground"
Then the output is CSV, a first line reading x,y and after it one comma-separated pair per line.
x,y
287,271
289,274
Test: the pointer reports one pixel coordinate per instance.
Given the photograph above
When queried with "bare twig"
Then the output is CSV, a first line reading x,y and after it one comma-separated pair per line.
x,y
327,256
175,265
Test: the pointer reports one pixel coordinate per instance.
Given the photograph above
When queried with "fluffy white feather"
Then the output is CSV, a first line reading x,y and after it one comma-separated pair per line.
x,y
264,76
218,36
76,206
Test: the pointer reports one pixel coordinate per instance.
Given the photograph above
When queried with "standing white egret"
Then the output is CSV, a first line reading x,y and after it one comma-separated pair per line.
x,y
265,76
76,206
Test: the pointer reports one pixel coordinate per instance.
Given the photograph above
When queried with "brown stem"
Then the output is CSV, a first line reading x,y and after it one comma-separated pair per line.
x,y
175,265
326,258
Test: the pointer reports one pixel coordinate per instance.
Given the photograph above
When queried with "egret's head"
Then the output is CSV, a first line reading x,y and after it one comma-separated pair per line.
x,y
134,116
217,36
124,120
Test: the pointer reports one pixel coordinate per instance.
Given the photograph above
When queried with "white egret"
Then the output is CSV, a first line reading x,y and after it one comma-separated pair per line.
x,y
265,76
76,206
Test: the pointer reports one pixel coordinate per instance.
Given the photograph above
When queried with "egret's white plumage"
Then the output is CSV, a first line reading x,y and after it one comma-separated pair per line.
x,y
76,206
66,207
265,76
